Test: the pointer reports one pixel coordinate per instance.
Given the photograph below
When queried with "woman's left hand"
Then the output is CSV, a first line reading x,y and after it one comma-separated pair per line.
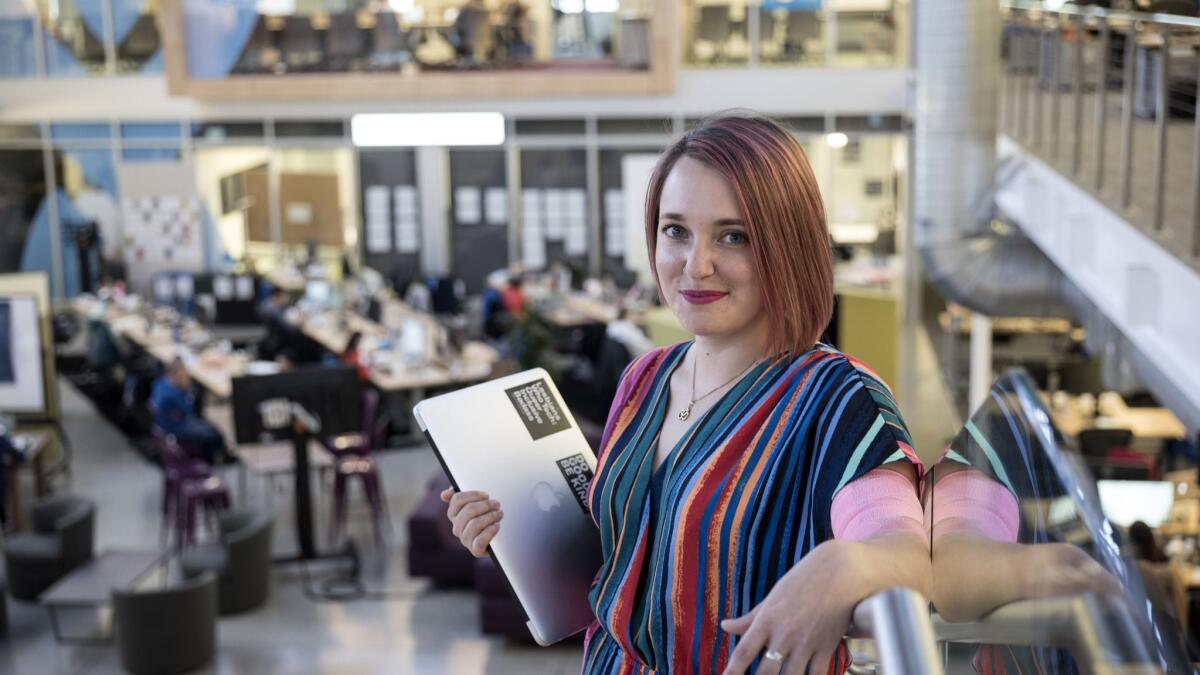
x,y
805,615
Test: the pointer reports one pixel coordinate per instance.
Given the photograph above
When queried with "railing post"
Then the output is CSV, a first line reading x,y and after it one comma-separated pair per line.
x,y
1127,116
1056,82
1077,98
1162,114
1039,75
1102,104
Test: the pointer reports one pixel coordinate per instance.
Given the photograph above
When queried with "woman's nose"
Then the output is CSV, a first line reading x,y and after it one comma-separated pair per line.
x,y
699,261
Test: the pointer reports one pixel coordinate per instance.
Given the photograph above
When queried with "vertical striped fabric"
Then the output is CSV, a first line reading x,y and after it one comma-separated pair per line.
x,y
744,494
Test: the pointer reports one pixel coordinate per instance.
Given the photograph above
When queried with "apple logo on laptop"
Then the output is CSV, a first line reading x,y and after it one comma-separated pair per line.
x,y
546,497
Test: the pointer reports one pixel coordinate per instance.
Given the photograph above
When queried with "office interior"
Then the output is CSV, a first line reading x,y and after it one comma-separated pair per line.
x,y
340,200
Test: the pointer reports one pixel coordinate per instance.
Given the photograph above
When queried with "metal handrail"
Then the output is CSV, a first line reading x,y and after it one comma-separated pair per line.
x,y
1101,13
1097,629
898,621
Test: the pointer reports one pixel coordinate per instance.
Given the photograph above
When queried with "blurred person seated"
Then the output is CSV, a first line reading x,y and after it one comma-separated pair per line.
x,y
513,298
281,337
628,334
351,356
174,407
9,456
1152,562
418,296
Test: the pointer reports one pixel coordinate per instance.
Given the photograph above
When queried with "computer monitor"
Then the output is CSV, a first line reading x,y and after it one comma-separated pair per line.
x,y
318,291
1127,501
262,403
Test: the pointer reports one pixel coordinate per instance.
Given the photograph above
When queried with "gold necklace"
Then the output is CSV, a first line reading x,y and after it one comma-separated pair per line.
x,y
684,414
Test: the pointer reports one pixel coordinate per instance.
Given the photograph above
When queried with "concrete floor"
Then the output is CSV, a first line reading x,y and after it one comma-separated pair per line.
x,y
416,630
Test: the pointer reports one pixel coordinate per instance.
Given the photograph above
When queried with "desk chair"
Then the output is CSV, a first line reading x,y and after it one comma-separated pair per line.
x,y
390,47
300,44
1108,453
346,43
62,539
142,41
88,48
259,53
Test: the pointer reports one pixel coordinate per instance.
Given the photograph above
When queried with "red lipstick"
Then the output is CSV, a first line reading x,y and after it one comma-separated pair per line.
x,y
702,297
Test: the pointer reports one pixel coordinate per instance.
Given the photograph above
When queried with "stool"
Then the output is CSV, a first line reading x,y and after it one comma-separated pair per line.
x,y
210,494
362,467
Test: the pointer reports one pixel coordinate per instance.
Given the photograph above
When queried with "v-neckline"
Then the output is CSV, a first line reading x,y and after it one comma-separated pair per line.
x,y
681,442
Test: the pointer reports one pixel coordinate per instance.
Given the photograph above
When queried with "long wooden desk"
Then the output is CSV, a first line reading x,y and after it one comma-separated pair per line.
x,y
386,370
1156,424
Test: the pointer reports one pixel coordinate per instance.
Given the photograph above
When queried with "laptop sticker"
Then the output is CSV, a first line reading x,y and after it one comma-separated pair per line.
x,y
538,409
578,474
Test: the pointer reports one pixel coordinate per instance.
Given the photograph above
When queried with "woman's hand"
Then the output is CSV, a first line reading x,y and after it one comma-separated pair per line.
x,y
476,518
805,615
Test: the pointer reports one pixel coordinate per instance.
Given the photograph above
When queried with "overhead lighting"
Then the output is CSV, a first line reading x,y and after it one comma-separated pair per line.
x,y
836,140
381,130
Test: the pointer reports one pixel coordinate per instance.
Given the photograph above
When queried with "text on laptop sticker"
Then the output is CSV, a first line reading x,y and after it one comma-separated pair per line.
x,y
537,409
578,474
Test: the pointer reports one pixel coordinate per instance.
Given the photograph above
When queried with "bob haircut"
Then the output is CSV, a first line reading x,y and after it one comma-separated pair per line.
x,y
778,197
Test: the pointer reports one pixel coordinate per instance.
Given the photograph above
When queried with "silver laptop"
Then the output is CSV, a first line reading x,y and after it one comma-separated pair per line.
x,y
514,439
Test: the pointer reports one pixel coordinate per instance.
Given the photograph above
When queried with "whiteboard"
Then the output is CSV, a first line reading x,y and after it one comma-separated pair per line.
x,y
22,387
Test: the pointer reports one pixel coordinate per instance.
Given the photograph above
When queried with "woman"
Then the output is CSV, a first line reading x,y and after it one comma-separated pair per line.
x,y
753,485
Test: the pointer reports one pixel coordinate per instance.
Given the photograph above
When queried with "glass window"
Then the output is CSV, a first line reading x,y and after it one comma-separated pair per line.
x,y
866,33
715,33
151,154
217,132
310,129
630,125
550,127
791,32
152,131
80,131
23,191
73,34
282,36
17,34
135,35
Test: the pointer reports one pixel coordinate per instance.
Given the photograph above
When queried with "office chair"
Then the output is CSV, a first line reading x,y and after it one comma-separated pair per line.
x,y
346,43
88,48
301,45
390,47
1108,454
142,41
259,52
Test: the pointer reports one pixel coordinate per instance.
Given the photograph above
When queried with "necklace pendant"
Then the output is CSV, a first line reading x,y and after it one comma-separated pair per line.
x,y
685,413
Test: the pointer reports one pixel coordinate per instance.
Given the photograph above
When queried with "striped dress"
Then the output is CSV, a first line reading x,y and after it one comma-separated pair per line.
x,y
742,496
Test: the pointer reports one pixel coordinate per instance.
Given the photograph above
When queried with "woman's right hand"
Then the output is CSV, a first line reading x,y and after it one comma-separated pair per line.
x,y
476,518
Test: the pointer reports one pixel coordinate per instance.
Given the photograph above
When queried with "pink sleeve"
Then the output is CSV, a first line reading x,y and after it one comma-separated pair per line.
x,y
968,502
880,502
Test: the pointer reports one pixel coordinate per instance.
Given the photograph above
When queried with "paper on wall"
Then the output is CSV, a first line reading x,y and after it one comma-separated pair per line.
x,y
555,215
245,287
614,223
531,211
299,213
496,206
376,217
467,207
223,288
408,222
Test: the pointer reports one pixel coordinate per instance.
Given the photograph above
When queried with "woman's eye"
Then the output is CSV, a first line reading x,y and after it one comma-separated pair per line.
x,y
673,231
735,238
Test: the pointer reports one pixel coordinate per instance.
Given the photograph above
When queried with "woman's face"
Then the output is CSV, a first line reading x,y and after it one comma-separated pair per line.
x,y
703,256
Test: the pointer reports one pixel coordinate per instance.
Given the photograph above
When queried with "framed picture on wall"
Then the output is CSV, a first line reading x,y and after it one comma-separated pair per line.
x,y
22,379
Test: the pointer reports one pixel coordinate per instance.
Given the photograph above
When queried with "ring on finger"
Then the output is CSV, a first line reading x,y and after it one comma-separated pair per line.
x,y
773,655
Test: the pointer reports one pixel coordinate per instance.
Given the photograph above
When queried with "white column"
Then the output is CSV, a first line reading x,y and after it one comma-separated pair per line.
x,y
981,360
433,179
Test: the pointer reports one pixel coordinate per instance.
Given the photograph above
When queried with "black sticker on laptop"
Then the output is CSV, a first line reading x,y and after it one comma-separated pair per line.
x,y
538,409
579,475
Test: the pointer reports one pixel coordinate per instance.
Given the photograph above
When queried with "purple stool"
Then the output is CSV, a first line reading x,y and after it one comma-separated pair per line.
x,y
352,459
209,494
363,468
178,469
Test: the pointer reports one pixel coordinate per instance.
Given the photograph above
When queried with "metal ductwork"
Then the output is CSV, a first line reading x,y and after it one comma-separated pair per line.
x,y
969,252
970,256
